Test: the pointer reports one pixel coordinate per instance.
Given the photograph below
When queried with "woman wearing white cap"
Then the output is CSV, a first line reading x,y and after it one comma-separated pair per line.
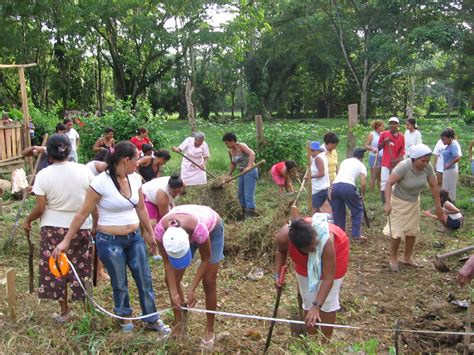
x,y
179,234
409,178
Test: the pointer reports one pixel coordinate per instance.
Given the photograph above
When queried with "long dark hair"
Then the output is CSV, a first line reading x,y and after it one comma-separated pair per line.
x,y
444,197
162,153
121,150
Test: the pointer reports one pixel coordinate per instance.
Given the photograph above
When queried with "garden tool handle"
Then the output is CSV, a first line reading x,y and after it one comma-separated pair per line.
x,y
281,279
196,164
243,172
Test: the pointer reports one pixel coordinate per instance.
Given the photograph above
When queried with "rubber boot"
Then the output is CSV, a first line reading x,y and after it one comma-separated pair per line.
x,y
250,213
242,215
382,194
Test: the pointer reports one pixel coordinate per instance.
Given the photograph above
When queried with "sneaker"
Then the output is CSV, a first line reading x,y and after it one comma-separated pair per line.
x,y
127,327
158,326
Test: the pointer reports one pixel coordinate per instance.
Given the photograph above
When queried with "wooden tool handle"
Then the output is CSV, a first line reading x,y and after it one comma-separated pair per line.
x,y
283,270
196,164
243,172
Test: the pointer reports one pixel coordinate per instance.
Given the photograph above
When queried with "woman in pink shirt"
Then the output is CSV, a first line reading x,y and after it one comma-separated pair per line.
x,y
181,232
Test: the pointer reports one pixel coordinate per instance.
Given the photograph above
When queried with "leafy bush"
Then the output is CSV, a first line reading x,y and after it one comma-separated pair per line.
x,y
45,122
125,123
469,117
280,143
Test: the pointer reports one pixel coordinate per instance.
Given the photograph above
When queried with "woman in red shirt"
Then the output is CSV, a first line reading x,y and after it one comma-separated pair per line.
x,y
299,240
141,139
282,172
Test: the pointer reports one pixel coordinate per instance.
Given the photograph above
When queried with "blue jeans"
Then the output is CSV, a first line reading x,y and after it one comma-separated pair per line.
x,y
116,252
246,189
216,237
346,194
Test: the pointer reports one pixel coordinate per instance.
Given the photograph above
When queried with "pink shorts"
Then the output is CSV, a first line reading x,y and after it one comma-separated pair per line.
x,y
279,180
153,212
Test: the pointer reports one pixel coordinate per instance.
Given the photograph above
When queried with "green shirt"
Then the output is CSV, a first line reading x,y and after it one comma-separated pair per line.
x,y
412,182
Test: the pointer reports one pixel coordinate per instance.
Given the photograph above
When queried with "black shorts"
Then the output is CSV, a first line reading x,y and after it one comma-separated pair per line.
x,y
454,223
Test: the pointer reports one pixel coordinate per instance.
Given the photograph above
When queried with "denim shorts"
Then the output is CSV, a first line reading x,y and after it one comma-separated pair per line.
x,y
372,161
217,243
454,223
319,198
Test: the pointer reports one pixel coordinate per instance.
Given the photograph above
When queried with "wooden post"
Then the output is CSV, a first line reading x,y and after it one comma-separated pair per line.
x,y
259,129
467,338
308,167
11,294
26,113
351,138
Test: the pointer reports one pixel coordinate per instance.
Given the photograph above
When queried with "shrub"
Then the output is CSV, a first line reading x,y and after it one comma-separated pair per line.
x,y
469,117
125,122
280,143
45,122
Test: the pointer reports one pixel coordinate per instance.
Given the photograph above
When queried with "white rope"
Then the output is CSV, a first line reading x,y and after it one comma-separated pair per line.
x,y
103,310
257,317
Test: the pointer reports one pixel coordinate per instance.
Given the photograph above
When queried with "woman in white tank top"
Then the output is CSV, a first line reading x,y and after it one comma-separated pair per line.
x,y
375,156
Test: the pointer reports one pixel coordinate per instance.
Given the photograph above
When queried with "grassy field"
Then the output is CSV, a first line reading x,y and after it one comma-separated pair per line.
x,y
372,297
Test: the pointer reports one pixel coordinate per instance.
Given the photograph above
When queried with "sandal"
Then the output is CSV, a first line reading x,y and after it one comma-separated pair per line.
x,y
394,267
359,239
208,344
62,318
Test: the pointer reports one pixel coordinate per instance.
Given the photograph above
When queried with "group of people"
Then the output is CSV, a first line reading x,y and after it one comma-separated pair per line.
x,y
122,197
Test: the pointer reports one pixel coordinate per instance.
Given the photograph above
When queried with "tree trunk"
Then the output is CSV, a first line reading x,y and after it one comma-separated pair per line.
x,y
232,106
364,99
100,95
190,106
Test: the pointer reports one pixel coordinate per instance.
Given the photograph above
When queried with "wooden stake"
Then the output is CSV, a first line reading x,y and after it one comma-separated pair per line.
x,y
259,130
11,293
308,169
467,338
397,336
26,113
351,138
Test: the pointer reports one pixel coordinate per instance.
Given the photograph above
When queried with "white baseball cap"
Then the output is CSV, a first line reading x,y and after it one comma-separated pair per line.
x,y
177,247
394,119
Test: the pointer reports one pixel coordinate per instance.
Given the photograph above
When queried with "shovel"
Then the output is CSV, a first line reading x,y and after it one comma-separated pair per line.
x,y
281,281
245,171
196,164
439,263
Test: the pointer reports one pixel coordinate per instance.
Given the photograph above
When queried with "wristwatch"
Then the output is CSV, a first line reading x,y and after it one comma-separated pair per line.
x,y
316,304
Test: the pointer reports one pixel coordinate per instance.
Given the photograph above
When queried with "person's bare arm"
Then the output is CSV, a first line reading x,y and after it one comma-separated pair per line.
x,y
163,202
205,252
34,150
245,149
170,278
450,208
90,203
466,273
36,212
97,145
145,223
363,184
433,183
368,142
328,273
392,180
232,165
318,162
145,161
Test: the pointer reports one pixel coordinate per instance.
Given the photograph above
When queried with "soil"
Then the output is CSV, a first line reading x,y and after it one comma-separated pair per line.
x,y
372,297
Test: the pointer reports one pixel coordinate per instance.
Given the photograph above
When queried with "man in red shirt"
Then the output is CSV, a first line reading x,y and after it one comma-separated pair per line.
x,y
393,145
298,241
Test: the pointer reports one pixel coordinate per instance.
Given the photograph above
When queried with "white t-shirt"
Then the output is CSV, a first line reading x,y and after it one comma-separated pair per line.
x,y
65,186
114,208
73,137
151,187
321,183
92,167
437,151
349,170
411,139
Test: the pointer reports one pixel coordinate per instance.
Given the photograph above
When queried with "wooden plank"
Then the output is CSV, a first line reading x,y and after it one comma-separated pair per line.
x,y
18,141
14,160
5,66
8,143
3,149
26,113
13,142
11,293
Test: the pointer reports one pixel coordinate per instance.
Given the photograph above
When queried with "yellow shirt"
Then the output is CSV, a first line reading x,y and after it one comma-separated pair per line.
x,y
332,164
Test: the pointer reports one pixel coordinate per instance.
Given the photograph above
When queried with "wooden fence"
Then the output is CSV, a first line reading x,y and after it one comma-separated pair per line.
x,y
10,146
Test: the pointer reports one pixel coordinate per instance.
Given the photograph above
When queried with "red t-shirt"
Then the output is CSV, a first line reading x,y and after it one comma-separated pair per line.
x,y
139,143
393,149
341,246
279,167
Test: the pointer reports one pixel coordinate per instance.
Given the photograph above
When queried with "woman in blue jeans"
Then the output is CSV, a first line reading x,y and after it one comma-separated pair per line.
x,y
344,192
241,157
117,194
